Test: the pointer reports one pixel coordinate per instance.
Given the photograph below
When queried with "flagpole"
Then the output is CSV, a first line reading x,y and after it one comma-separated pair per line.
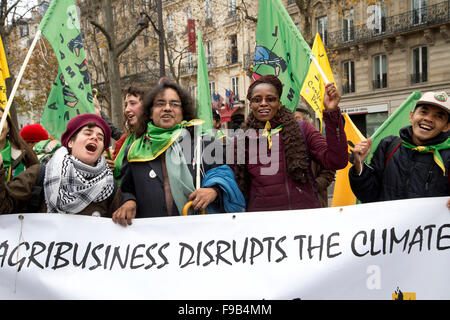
x,y
316,63
199,161
19,77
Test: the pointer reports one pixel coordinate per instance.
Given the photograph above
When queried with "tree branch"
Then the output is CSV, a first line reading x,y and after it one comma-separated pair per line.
x,y
123,45
244,9
102,30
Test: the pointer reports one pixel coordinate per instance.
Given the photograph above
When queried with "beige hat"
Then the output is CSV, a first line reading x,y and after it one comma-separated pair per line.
x,y
439,99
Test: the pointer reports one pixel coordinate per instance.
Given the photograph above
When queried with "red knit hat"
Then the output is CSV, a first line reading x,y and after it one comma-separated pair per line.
x,y
80,121
33,133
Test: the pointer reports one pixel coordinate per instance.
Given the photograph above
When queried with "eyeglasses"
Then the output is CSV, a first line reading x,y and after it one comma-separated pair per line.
x,y
258,100
163,103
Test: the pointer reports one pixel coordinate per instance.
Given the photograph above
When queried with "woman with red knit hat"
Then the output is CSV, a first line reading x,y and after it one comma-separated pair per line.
x,y
76,180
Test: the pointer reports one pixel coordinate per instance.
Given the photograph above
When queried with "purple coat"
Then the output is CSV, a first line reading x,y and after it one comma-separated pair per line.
x,y
278,191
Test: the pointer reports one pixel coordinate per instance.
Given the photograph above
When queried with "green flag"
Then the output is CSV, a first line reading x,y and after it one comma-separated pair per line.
x,y
204,108
280,50
71,93
397,120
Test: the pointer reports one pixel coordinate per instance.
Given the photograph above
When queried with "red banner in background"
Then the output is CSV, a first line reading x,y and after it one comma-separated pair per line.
x,y
191,35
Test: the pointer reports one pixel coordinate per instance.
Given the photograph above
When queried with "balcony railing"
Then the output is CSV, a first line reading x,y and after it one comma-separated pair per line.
x,y
232,57
348,88
380,83
211,62
419,77
408,21
188,68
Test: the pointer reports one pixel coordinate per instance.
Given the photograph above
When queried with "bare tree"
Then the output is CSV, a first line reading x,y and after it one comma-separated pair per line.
x,y
115,46
12,15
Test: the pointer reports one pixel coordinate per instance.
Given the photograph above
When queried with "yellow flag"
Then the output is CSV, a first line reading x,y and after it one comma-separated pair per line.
x,y
313,88
4,74
343,195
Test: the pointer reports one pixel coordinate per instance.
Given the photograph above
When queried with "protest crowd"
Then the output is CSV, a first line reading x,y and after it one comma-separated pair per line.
x,y
164,162
177,153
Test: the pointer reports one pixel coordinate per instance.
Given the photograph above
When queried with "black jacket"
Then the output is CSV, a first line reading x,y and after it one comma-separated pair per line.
x,y
143,182
408,174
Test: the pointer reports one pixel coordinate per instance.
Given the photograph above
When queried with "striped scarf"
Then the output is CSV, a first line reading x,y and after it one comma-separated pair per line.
x,y
70,185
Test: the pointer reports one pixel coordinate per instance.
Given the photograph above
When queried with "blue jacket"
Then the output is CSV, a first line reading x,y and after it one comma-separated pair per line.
x,y
223,176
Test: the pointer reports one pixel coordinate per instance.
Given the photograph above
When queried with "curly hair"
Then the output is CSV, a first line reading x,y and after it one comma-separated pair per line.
x,y
187,104
296,155
268,78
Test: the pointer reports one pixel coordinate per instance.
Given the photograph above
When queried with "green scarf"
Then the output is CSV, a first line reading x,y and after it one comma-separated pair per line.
x,y
180,179
8,163
156,140
434,149
119,158
268,132
42,150
6,154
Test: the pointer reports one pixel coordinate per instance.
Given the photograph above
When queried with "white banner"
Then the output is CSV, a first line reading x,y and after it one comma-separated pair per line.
x,y
373,251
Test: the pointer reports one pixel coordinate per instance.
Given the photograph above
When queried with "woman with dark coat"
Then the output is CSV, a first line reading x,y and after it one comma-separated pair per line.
x,y
159,169
76,180
286,182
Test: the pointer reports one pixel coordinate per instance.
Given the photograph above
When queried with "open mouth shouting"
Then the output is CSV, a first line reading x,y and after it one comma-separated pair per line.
x,y
91,147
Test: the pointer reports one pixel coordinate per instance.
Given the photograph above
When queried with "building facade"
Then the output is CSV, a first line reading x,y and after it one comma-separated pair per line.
x,y
380,52
383,52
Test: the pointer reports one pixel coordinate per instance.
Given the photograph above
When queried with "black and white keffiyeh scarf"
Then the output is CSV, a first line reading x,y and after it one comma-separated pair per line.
x,y
70,185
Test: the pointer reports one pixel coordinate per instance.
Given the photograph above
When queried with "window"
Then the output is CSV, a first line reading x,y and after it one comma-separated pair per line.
x,y
114,13
24,30
419,11
368,123
209,54
233,49
190,62
419,65
347,26
212,87
146,38
169,25
322,29
43,6
380,75
291,2
124,10
208,9
188,14
231,8
193,91
235,87
349,77
379,18
374,121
